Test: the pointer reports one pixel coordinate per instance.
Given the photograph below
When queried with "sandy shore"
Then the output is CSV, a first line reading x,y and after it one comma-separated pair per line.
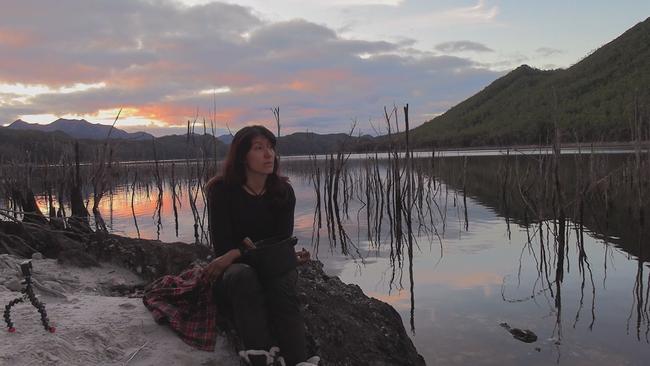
x,y
92,327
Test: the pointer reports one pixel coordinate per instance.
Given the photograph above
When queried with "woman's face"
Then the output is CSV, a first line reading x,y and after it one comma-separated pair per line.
x,y
260,159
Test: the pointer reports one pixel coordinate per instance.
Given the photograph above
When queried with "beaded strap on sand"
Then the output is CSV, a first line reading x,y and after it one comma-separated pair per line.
x,y
270,355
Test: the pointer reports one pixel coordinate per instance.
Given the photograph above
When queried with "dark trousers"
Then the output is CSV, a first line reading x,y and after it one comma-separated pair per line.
x,y
265,312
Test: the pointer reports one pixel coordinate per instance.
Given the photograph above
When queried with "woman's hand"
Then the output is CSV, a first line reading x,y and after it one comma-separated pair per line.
x,y
220,264
303,256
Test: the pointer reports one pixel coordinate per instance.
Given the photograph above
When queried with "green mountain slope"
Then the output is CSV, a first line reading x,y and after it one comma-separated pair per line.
x,y
594,100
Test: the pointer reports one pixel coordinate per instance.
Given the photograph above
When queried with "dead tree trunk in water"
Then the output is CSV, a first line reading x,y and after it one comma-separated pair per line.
x,y
79,219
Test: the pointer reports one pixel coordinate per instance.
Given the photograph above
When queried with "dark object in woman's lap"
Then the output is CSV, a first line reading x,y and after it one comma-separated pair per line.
x,y
272,257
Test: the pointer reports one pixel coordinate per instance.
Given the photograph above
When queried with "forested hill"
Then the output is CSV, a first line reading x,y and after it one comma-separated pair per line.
x,y
22,146
593,100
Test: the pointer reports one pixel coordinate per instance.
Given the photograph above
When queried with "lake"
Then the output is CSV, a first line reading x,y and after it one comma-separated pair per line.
x,y
486,250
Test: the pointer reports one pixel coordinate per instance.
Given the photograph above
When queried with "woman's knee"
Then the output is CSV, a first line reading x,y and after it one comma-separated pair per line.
x,y
282,292
284,284
241,278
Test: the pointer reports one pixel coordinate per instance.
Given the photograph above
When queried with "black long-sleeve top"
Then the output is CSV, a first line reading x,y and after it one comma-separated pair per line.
x,y
235,214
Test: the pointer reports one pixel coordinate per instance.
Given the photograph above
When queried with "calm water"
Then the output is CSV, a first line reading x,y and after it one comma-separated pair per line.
x,y
468,281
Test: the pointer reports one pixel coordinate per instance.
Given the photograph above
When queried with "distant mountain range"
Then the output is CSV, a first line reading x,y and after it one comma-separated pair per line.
x,y
45,143
595,100
80,129
226,139
23,136
52,147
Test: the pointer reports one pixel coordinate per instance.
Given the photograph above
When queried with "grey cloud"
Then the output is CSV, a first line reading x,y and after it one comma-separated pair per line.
x,y
444,63
347,27
146,51
294,33
9,114
462,46
547,51
406,42
93,100
509,61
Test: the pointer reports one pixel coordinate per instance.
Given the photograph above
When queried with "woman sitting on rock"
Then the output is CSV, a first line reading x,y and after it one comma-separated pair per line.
x,y
249,202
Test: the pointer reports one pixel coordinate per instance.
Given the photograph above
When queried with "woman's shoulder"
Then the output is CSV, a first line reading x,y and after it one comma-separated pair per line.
x,y
285,191
285,186
217,186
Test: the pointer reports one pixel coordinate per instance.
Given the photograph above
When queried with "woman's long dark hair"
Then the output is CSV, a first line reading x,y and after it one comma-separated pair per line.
x,y
233,171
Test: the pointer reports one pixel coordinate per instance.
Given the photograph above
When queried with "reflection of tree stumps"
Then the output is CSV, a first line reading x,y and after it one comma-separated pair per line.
x,y
159,198
504,197
135,219
639,301
409,207
24,197
558,293
317,222
79,219
174,199
100,224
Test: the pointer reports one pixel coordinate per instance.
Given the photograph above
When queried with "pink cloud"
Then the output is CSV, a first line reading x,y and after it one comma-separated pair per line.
x,y
159,59
15,38
52,73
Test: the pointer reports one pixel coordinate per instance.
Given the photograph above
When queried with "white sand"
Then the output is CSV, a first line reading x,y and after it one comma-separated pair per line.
x,y
91,328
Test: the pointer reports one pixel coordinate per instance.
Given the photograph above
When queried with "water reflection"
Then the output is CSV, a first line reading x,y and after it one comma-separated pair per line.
x,y
561,261
489,246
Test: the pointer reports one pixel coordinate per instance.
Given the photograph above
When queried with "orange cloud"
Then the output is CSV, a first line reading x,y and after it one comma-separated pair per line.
x,y
174,114
301,86
15,38
312,81
139,76
321,79
54,73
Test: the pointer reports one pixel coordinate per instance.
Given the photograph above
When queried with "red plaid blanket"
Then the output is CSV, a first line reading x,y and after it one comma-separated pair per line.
x,y
187,305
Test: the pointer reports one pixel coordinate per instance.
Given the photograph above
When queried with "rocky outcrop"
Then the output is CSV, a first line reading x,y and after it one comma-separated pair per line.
x,y
148,258
344,326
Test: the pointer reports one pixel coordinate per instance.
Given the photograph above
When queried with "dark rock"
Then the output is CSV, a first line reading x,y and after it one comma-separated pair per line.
x,y
76,257
346,327
148,258
25,239
525,335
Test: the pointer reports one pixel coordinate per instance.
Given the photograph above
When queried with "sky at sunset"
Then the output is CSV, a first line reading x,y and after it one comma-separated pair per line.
x,y
324,63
